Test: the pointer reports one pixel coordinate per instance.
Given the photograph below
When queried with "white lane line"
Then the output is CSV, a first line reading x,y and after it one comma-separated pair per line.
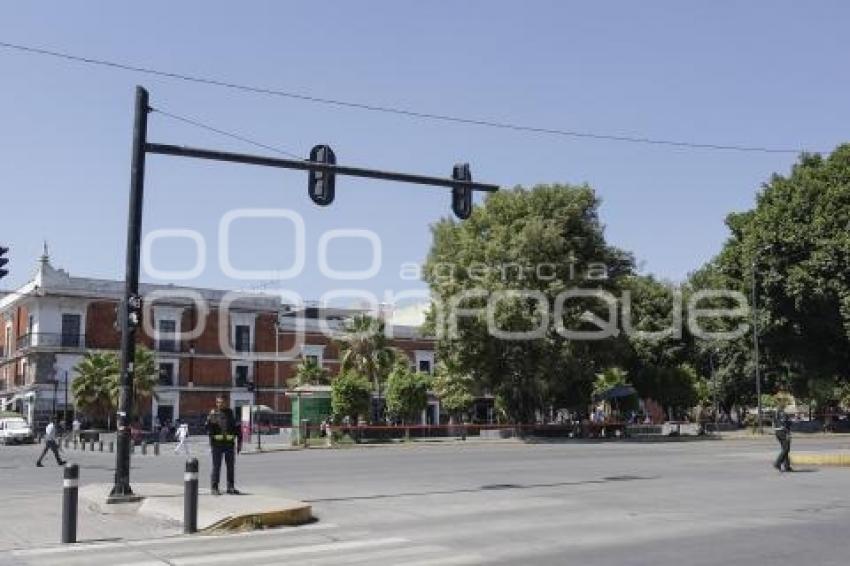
x,y
446,561
382,556
248,557
95,546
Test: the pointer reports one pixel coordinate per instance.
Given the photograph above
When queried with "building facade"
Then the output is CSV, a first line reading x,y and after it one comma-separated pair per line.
x,y
206,343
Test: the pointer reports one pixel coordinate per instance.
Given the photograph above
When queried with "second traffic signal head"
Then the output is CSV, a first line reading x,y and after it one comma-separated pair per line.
x,y
321,184
3,261
462,196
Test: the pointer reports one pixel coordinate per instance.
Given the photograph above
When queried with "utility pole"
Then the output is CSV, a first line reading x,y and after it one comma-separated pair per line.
x,y
322,170
131,305
756,346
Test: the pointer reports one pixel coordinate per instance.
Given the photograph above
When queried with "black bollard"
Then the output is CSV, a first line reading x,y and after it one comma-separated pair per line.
x,y
190,497
70,489
144,448
111,447
156,449
83,445
91,445
100,445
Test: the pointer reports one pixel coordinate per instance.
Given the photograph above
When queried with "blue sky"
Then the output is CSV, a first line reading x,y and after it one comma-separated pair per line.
x,y
756,73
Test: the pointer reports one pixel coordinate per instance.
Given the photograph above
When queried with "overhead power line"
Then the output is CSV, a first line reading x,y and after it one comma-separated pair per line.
x,y
394,110
239,137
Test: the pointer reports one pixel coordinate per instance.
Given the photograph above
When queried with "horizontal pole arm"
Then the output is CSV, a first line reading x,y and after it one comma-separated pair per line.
x,y
306,165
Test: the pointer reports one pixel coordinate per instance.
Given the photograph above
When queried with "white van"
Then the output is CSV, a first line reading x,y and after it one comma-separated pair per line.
x,y
15,430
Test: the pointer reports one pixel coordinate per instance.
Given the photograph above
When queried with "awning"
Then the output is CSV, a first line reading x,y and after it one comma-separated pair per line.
x,y
616,392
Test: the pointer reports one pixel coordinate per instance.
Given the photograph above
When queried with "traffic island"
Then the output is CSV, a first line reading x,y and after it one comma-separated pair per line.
x,y
815,459
253,509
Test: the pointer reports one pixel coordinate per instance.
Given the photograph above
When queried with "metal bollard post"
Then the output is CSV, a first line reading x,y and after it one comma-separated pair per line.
x,y
111,447
70,489
144,448
83,445
190,497
100,445
91,446
156,449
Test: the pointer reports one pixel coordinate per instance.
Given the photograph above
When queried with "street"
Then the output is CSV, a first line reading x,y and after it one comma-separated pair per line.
x,y
474,503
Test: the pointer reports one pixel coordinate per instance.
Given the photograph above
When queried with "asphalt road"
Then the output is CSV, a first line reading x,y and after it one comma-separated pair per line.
x,y
689,503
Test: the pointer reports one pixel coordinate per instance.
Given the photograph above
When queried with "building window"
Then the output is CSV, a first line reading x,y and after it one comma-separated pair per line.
x,y
312,359
240,375
242,338
166,340
425,366
71,324
166,373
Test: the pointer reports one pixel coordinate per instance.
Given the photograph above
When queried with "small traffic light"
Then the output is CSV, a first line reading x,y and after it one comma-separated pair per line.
x,y
321,184
462,196
3,261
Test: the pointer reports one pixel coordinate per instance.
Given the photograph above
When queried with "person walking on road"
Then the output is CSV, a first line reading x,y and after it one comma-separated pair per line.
x,y
50,444
183,440
782,428
224,433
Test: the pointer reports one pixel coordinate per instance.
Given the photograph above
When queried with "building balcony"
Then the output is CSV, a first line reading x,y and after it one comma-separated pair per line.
x,y
51,340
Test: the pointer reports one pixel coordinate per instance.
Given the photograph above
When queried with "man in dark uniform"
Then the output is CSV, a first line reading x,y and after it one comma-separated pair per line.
x,y
223,432
782,428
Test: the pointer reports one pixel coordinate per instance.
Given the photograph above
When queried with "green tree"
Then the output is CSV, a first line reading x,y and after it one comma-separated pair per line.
x,y
608,379
794,246
365,349
407,393
545,240
455,390
92,386
350,395
309,372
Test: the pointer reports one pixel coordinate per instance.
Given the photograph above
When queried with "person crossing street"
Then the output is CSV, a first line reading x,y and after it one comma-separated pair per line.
x,y
224,434
782,428
50,444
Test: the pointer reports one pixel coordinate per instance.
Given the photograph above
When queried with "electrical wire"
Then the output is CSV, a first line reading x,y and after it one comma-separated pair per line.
x,y
396,110
239,137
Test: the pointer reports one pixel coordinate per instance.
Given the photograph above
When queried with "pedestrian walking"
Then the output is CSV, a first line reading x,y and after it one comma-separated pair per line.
x,y
782,428
223,433
183,440
50,444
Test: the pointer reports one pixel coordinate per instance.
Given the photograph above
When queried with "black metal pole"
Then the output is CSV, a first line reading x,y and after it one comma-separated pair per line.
x,y
70,491
121,490
190,497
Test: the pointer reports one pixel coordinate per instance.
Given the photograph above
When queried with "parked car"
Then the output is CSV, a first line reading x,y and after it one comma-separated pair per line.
x,y
15,430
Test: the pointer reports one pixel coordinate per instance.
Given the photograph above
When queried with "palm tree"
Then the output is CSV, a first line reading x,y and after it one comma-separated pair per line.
x,y
309,372
93,384
366,350
145,379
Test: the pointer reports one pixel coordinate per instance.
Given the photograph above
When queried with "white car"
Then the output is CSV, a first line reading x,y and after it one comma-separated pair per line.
x,y
15,430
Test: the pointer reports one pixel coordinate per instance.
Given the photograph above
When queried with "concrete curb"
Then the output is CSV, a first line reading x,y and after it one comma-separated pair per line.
x,y
813,459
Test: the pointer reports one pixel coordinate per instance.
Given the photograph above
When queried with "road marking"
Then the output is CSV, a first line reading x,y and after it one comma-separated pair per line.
x,y
257,555
94,546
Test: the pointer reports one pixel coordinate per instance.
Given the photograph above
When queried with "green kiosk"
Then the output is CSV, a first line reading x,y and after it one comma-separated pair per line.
x,y
311,404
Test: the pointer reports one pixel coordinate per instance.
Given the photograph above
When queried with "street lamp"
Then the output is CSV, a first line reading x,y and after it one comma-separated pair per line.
x,y
756,336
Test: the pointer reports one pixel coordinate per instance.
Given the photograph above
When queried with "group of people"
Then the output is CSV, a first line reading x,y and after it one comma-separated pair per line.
x,y
225,437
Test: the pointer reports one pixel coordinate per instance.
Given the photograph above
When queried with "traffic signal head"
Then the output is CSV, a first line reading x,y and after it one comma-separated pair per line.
x,y
3,261
462,196
321,184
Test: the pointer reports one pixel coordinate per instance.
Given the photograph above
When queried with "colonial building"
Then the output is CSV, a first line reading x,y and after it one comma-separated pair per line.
x,y
206,342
